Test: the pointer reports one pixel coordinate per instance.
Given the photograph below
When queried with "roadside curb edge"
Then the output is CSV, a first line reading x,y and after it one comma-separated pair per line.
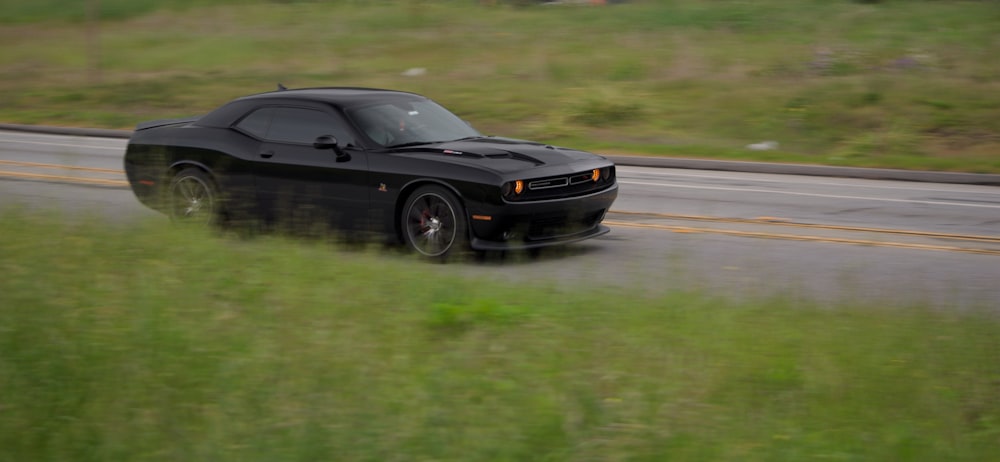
x,y
72,131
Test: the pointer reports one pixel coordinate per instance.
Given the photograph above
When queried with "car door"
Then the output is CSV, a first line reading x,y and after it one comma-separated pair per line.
x,y
303,187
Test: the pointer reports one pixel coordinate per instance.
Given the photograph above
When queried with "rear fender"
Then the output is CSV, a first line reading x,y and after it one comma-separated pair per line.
x,y
182,164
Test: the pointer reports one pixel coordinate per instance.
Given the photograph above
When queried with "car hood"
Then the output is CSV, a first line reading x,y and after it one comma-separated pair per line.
x,y
500,154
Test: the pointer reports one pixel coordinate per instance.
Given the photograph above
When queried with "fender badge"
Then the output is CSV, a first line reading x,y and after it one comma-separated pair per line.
x,y
449,151
382,188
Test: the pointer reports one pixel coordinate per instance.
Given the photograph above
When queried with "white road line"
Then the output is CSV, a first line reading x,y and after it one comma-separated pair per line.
x,y
798,179
828,196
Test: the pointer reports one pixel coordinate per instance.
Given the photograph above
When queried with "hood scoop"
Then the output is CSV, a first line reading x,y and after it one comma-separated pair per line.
x,y
486,151
515,155
452,152
501,153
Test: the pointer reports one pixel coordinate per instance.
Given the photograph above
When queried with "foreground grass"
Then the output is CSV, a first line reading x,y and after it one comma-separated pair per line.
x,y
138,343
902,84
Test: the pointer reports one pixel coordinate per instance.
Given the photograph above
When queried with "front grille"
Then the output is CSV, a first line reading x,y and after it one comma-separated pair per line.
x,y
556,187
548,184
581,178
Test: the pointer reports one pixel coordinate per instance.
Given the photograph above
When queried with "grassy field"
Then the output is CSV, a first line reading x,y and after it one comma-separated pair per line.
x,y
141,343
904,84
134,342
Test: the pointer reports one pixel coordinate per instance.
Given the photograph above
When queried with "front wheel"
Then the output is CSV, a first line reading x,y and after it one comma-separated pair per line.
x,y
434,222
193,198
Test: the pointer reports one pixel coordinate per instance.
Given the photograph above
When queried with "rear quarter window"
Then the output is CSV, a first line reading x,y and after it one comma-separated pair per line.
x,y
257,122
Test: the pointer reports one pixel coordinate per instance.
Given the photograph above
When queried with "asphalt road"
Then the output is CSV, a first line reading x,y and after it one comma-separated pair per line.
x,y
734,234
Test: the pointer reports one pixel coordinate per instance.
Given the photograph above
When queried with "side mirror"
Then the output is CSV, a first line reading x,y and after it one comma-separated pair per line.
x,y
330,142
326,142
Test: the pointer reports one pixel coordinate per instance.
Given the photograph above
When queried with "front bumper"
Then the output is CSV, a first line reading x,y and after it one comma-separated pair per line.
x,y
481,244
527,225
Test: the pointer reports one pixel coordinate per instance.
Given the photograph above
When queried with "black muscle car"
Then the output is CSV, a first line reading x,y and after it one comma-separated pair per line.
x,y
366,160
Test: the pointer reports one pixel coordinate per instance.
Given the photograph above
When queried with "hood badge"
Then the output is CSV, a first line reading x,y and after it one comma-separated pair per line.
x,y
455,153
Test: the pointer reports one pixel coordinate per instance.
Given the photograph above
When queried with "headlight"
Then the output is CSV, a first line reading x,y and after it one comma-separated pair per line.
x,y
512,189
607,174
595,175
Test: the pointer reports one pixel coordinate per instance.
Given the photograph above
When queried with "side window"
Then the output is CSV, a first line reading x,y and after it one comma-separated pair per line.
x,y
296,125
257,122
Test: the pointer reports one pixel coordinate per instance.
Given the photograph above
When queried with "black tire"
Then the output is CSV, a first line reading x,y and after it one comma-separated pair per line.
x,y
433,222
193,198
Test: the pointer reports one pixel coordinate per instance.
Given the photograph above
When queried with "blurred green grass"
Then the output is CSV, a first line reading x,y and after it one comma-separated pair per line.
x,y
900,84
138,342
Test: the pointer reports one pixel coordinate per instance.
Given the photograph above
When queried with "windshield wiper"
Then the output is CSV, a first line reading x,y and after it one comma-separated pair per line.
x,y
419,143
412,143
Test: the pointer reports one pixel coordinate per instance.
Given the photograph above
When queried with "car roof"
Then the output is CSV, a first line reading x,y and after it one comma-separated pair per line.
x,y
340,96
343,97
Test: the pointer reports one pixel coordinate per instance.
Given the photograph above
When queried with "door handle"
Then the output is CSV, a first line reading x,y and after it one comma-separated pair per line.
x,y
267,154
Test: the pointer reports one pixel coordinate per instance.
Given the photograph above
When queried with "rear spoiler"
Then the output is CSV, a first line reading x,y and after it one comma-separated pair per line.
x,y
164,122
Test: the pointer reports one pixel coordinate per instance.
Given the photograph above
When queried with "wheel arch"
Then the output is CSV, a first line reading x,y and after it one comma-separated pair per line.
x,y
180,165
408,189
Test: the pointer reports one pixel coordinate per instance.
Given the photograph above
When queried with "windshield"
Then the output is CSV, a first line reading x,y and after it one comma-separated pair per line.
x,y
409,123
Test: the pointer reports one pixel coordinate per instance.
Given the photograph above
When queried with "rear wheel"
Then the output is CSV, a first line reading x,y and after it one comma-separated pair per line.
x,y
434,222
193,198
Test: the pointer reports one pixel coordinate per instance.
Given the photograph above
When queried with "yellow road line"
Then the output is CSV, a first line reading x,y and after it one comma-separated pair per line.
x,y
793,237
779,222
57,166
64,179
677,229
